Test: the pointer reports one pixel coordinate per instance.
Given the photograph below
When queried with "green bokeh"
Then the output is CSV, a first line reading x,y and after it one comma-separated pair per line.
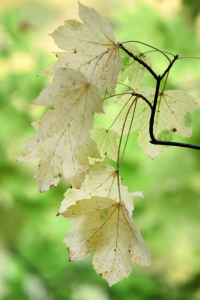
x,y
34,260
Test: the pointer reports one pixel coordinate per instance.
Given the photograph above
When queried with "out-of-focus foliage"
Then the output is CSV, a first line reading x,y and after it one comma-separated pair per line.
x,y
34,260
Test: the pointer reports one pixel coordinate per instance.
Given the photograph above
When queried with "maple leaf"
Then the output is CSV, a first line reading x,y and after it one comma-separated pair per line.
x,y
91,49
75,98
102,181
106,228
132,68
106,141
172,115
58,154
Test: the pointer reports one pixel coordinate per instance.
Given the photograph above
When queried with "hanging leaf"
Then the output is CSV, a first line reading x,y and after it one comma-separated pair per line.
x,y
172,115
105,227
58,154
101,181
91,49
75,98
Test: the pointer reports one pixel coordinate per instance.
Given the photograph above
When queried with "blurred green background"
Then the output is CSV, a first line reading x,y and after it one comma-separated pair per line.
x,y
33,259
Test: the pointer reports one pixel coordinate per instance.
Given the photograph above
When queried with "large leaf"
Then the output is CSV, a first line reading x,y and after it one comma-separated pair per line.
x,y
88,49
75,98
172,115
106,228
101,181
58,154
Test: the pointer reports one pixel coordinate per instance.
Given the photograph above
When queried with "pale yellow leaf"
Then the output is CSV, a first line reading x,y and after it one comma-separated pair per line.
x,y
172,115
75,98
106,141
88,48
106,228
58,154
101,181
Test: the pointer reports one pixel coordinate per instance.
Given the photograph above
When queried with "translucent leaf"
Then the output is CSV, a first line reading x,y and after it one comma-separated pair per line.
x,y
172,115
101,181
131,68
75,98
58,154
106,228
106,141
85,45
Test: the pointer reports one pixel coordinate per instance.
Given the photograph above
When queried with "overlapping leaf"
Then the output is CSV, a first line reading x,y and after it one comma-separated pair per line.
x,y
131,68
58,154
105,227
91,48
101,181
75,98
172,115
106,141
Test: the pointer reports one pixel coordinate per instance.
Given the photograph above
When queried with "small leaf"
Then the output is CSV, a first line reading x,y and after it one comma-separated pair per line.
x,y
106,141
131,68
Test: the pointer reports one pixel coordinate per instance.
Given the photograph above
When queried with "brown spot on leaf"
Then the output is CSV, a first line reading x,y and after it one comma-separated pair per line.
x,y
174,129
57,214
75,51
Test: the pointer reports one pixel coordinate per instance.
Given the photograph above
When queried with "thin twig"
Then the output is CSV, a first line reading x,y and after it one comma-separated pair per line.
x,y
188,57
120,141
128,133
147,46
157,51
169,67
133,94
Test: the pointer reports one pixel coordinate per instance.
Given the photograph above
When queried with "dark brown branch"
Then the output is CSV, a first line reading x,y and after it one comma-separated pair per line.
x,y
153,111
139,60
145,99
169,67
159,78
157,142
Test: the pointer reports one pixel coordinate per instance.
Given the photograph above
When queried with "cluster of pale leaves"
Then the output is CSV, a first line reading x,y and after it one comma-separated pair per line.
x,y
68,144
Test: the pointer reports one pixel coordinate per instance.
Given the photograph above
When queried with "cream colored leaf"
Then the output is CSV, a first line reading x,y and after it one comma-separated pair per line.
x,y
58,154
172,115
106,141
131,68
75,98
49,70
90,46
106,228
101,181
